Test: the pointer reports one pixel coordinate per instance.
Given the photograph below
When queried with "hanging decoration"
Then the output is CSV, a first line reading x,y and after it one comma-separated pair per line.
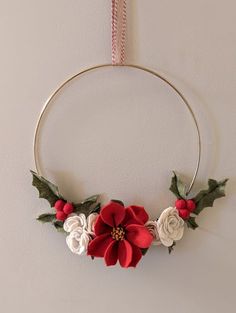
x,y
114,231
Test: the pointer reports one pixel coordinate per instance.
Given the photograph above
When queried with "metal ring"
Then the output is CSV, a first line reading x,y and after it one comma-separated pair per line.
x,y
48,102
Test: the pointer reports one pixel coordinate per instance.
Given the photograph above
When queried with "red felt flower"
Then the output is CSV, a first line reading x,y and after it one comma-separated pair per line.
x,y
120,234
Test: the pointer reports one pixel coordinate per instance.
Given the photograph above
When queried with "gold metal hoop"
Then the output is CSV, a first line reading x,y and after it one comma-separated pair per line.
x,y
48,102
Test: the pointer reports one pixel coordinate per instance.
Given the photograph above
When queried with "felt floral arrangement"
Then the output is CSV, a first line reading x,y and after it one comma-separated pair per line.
x,y
119,233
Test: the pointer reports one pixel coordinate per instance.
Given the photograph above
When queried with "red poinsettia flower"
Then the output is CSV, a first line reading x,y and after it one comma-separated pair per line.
x,y
120,234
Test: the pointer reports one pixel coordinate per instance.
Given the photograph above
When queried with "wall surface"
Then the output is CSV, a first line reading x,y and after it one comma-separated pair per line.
x,y
118,132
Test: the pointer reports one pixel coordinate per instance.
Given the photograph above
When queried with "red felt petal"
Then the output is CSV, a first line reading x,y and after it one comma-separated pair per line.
x,y
113,214
139,236
130,218
111,253
135,215
137,255
125,253
98,245
100,227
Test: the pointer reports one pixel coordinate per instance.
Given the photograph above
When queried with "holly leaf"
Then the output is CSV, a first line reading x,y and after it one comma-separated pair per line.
x,y
87,206
178,187
93,199
46,189
46,218
171,248
58,225
206,198
95,209
191,223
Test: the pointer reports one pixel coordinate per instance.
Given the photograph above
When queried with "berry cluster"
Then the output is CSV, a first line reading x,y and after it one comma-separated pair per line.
x,y
185,207
63,209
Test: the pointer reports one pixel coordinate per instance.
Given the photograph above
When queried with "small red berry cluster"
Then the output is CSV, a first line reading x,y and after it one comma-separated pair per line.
x,y
185,207
63,209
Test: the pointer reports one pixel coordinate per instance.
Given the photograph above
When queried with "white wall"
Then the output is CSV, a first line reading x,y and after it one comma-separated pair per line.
x,y
44,42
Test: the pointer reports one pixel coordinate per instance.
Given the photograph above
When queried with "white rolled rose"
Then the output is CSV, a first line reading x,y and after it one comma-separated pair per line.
x,y
75,221
91,219
78,241
153,229
81,231
170,226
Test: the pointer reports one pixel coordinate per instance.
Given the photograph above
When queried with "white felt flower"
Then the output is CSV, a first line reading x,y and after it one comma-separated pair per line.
x,y
74,221
81,231
153,229
90,222
170,226
78,241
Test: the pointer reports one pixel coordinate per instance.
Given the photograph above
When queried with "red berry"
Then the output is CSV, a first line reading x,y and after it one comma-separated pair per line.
x,y
191,205
184,213
180,204
61,216
68,208
59,205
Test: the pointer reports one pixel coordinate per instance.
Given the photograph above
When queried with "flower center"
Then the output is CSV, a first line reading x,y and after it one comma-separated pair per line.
x,y
118,233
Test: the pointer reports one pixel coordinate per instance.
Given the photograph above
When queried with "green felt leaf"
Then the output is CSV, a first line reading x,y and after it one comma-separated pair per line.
x,y
171,248
87,206
91,200
46,218
191,223
59,225
95,209
178,187
206,198
144,251
118,201
46,189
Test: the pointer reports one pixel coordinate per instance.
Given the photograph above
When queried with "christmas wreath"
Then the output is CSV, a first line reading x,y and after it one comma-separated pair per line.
x,y
122,233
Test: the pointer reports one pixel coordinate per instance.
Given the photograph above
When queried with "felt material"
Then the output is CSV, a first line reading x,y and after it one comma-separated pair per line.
x,y
111,253
184,213
113,214
61,216
139,236
68,208
127,248
191,205
135,215
99,245
136,257
180,204
139,213
59,205
100,227
125,253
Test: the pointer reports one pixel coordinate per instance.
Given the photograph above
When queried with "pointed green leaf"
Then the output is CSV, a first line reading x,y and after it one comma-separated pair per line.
x,y
59,225
191,223
46,218
206,198
95,209
171,248
46,189
144,251
87,206
92,199
177,187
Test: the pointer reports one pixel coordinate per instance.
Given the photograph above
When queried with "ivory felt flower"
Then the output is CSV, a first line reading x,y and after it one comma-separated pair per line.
x,y
120,234
170,226
78,241
74,221
80,232
153,229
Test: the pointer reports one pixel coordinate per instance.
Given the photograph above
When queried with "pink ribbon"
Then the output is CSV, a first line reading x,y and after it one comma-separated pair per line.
x,y
118,31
